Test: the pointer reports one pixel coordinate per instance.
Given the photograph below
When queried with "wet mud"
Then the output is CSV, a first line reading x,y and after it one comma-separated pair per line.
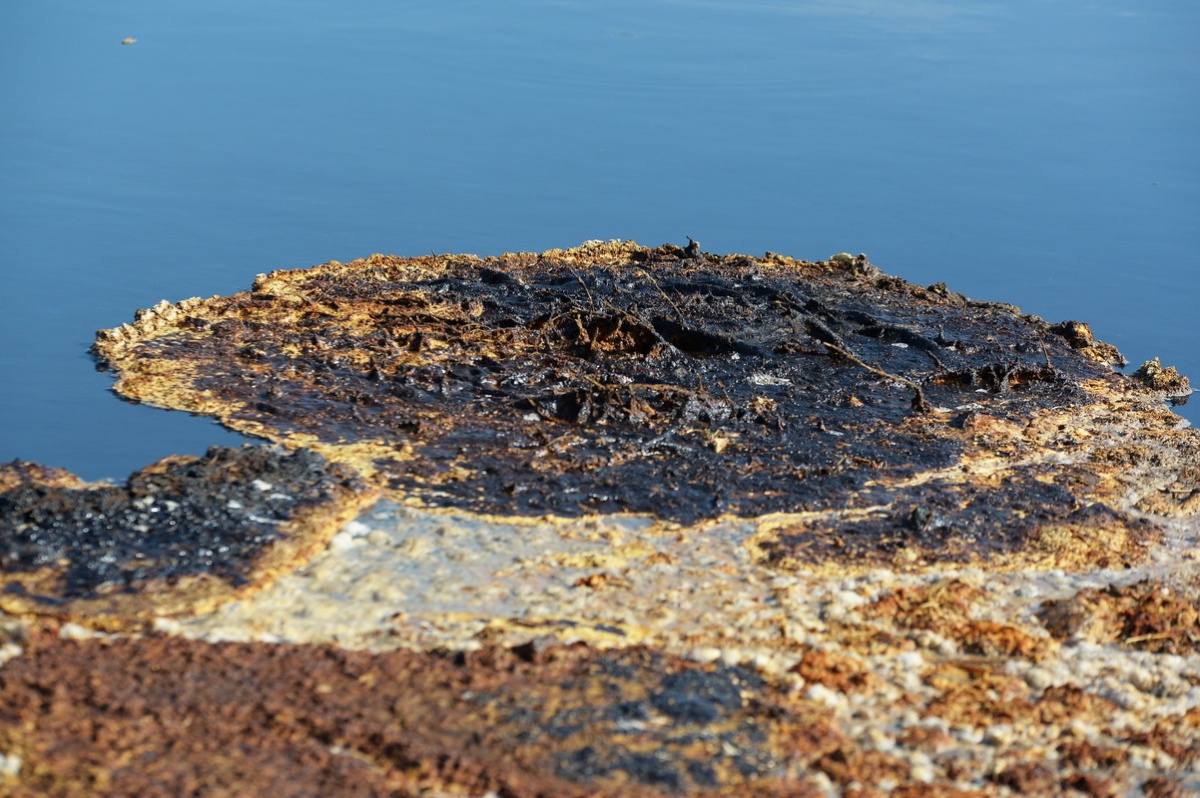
x,y
668,382
655,522
178,537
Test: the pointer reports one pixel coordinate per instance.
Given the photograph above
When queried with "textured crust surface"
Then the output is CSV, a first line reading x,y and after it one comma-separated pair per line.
x,y
180,537
167,716
656,522
866,421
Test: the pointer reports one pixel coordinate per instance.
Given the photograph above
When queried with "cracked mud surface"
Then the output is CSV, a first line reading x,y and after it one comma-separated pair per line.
x,y
655,522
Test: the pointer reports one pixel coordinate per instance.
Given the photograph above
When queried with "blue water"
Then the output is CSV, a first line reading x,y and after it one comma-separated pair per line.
x,y
1041,153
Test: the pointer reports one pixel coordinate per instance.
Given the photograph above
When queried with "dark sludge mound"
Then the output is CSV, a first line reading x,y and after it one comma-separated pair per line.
x,y
180,537
613,378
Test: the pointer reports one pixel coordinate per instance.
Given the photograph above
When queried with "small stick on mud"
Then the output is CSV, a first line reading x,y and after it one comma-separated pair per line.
x,y
920,403
586,290
678,313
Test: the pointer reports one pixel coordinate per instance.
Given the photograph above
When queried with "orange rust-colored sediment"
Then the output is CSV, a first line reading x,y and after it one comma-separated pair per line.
x,y
163,715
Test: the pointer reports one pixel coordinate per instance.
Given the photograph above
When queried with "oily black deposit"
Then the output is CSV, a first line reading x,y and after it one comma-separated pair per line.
x,y
180,536
614,378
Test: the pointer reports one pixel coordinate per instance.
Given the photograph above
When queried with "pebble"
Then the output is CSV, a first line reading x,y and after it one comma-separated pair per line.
x,y
73,631
8,651
1149,759
968,735
935,642
377,537
167,626
704,654
415,547
341,542
823,695
1000,735
1122,695
355,529
878,739
1038,678
10,765
1143,679
1082,729
1170,686
921,767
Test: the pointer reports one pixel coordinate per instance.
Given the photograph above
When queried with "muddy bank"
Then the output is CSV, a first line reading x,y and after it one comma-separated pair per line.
x,y
878,421
653,522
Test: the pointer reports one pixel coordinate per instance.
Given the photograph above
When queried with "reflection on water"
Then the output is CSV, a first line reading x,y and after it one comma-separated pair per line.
x,y
1038,153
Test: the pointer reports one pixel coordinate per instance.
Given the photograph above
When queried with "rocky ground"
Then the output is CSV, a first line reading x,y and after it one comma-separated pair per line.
x,y
626,521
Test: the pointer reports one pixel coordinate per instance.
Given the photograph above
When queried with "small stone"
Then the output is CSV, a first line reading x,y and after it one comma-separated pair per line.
x,y
73,631
731,657
921,768
704,654
377,537
999,735
849,599
823,695
1143,679
415,546
10,766
1038,678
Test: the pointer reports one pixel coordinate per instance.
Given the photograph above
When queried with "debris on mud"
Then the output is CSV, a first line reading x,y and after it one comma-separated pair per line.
x,y
1147,616
655,522
1166,380
568,722
181,536
874,421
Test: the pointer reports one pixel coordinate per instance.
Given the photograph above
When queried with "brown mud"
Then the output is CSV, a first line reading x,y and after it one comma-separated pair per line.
x,y
161,716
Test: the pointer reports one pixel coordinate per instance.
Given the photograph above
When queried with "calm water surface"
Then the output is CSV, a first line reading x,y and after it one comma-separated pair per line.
x,y
1042,153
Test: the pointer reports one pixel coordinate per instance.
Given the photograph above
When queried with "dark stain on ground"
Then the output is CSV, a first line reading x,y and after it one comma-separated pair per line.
x,y
662,381
964,523
679,729
173,715
181,517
